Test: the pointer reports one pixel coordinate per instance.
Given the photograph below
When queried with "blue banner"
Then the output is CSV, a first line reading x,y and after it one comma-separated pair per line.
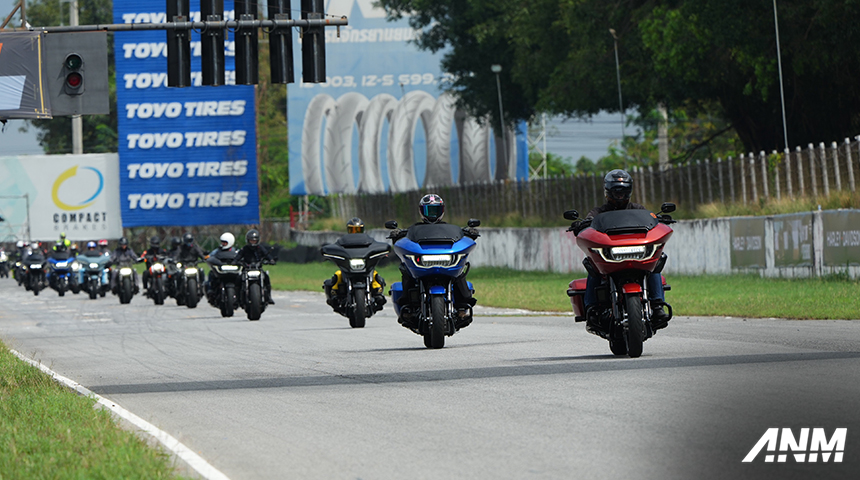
x,y
187,155
382,121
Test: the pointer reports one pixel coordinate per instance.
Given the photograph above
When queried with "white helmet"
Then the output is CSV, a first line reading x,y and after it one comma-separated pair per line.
x,y
20,244
229,238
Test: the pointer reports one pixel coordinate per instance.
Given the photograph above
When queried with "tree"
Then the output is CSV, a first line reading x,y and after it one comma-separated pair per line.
x,y
705,56
99,131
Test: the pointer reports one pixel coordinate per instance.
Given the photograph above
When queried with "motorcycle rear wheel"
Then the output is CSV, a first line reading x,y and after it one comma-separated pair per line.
x,y
635,326
359,311
435,336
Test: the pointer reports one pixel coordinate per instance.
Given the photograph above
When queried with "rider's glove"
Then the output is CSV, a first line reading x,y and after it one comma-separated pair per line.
x,y
395,234
471,233
580,225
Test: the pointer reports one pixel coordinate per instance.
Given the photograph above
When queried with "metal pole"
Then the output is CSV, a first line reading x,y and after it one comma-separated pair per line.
x,y
77,121
779,62
27,199
618,76
502,119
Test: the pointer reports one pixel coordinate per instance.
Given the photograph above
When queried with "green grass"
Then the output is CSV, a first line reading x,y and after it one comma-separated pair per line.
x,y
50,432
720,295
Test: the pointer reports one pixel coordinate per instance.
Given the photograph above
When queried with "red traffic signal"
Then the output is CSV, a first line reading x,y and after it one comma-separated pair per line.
x,y
72,67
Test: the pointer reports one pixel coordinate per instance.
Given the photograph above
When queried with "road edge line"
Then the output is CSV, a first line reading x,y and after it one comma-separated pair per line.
x,y
195,461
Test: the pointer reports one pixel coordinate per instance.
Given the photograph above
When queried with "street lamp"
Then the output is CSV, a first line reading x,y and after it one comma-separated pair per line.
x,y
618,75
497,69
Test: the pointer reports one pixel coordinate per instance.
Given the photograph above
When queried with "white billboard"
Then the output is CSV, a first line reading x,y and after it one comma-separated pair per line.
x,y
51,194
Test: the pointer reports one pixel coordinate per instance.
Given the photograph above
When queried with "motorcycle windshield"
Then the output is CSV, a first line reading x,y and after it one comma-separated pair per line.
x,y
625,221
434,233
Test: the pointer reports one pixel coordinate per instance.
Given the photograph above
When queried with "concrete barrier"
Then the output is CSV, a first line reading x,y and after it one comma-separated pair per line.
x,y
698,247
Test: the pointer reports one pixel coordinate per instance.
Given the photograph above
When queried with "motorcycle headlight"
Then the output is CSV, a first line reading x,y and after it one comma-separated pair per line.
x,y
125,271
62,264
191,271
36,266
430,261
230,268
356,264
157,268
94,265
621,254
76,266
3,257
253,273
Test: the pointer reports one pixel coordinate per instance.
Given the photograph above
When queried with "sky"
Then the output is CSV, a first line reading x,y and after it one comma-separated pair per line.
x,y
569,138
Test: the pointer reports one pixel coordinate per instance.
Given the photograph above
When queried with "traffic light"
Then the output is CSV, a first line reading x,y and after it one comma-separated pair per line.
x,y
313,44
77,73
73,66
212,43
246,45
178,46
280,43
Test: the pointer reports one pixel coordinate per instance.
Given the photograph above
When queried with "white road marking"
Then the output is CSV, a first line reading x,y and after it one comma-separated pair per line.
x,y
195,461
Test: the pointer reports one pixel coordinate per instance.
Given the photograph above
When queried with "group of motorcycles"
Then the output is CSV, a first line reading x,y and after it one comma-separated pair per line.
x,y
622,249
239,286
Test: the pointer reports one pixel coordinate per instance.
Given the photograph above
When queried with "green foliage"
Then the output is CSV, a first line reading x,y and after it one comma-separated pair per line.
x,y
712,57
555,164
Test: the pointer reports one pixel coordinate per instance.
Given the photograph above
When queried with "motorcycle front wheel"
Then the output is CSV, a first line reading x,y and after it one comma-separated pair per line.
x,y
255,301
125,291
94,288
227,300
435,335
359,311
158,287
191,293
635,326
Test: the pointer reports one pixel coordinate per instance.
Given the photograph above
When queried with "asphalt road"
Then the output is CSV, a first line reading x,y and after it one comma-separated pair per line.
x,y
299,394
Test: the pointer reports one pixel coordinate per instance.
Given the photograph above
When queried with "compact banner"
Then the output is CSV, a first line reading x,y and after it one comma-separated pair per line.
x,y
187,155
75,194
381,122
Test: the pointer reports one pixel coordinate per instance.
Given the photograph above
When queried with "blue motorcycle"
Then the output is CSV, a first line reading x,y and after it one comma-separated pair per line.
x,y
61,276
93,275
436,256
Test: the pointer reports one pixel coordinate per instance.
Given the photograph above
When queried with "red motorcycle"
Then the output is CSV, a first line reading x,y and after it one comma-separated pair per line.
x,y
622,248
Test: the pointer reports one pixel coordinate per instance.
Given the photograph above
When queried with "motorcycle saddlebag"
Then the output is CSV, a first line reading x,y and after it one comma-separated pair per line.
x,y
576,292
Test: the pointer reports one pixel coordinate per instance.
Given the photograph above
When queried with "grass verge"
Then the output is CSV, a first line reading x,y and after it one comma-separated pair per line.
x,y
718,295
50,432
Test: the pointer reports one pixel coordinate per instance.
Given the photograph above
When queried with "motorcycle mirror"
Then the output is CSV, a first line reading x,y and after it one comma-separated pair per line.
x,y
571,215
667,207
391,224
473,222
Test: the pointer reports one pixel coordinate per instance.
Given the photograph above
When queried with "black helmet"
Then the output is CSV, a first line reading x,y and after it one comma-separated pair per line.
x,y
188,239
175,242
252,237
355,225
123,242
431,207
154,242
618,186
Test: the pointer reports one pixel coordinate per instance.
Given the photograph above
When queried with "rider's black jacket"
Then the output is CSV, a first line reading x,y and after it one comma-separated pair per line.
x,y
151,253
120,256
186,253
253,254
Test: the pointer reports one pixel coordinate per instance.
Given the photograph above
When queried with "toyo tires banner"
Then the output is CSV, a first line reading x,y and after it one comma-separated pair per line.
x,y
187,155
381,122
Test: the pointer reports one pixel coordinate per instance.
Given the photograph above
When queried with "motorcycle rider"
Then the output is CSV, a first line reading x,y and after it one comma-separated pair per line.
x,y
92,255
150,256
354,226
123,254
103,247
253,252
432,207
226,253
617,188
188,251
66,243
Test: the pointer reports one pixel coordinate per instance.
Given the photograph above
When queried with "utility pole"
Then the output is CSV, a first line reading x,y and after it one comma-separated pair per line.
x,y
77,120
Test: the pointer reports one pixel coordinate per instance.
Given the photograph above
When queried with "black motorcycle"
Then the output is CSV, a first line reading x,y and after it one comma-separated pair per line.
x,y
252,296
356,254
229,277
188,284
36,279
4,265
126,286
155,288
